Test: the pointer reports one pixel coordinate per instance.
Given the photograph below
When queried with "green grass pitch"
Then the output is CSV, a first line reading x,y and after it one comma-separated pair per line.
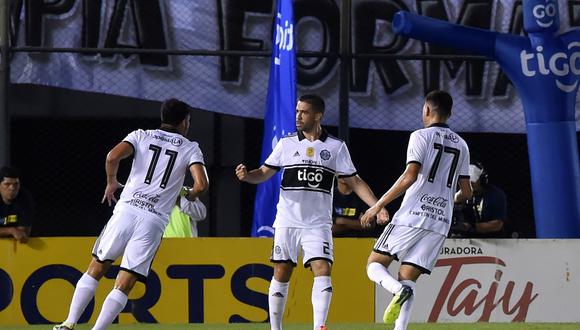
x,y
358,326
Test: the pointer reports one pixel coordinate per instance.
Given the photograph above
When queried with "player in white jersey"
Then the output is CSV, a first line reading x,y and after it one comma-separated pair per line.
x,y
310,160
161,159
437,162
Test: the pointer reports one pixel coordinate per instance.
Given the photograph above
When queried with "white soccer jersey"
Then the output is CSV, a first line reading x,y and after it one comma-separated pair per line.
x,y
444,157
308,175
160,161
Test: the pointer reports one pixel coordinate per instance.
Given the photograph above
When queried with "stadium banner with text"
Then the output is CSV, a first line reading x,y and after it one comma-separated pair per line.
x,y
497,280
384,93
210,280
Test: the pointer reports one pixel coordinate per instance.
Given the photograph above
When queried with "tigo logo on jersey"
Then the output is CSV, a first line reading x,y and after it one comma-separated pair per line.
x,y
307,177
313,178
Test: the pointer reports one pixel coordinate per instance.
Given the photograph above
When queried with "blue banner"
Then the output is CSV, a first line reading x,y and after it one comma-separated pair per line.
x,y
279,119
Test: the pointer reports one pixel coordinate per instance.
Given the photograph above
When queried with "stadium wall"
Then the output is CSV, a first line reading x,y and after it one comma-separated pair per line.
x,y
225,280
210,280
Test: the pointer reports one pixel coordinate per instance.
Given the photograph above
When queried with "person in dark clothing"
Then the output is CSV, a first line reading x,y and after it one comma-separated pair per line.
x,y
16,206
485,215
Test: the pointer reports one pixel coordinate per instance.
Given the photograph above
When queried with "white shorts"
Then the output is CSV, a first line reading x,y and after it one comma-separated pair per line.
x,y
315,243
133,235
412,246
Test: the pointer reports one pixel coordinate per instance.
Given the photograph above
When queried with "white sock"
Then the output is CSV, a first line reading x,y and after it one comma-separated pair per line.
x,y
321,296
113,305
277,296
404,316
379,274
84,292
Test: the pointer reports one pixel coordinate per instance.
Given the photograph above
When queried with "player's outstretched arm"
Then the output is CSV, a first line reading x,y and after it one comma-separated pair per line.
x,y
200,181
465,192
397,189
256,176
114,157
364,192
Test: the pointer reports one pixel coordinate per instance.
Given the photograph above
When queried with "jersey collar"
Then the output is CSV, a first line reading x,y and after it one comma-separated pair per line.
x,y
438,125
323,136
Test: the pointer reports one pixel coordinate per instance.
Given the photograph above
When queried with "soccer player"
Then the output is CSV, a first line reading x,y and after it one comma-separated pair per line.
x,y
437,160
161,159
310,160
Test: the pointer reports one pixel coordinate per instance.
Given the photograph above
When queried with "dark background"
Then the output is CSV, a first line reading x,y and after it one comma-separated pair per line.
x,y
59,138
62,155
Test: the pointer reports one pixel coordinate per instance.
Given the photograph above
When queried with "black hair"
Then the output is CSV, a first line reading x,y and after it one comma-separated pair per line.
x,y
315,101
441,102
9,172
174,111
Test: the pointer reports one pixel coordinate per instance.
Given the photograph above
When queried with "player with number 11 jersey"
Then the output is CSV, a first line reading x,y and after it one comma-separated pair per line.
x,y
161,159
160,162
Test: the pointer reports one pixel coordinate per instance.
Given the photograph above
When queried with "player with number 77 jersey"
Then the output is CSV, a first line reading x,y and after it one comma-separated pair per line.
x,y
161,159
437,163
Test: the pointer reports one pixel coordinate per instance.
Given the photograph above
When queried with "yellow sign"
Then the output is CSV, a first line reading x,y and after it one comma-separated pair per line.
x,y
211,280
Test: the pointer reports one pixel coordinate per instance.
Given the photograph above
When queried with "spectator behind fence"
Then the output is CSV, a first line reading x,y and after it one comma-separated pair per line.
x,y
347,209
484,215
16,206
184,216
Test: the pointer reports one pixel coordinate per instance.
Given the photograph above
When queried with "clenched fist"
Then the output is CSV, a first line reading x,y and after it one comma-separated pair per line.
x,y
241,172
